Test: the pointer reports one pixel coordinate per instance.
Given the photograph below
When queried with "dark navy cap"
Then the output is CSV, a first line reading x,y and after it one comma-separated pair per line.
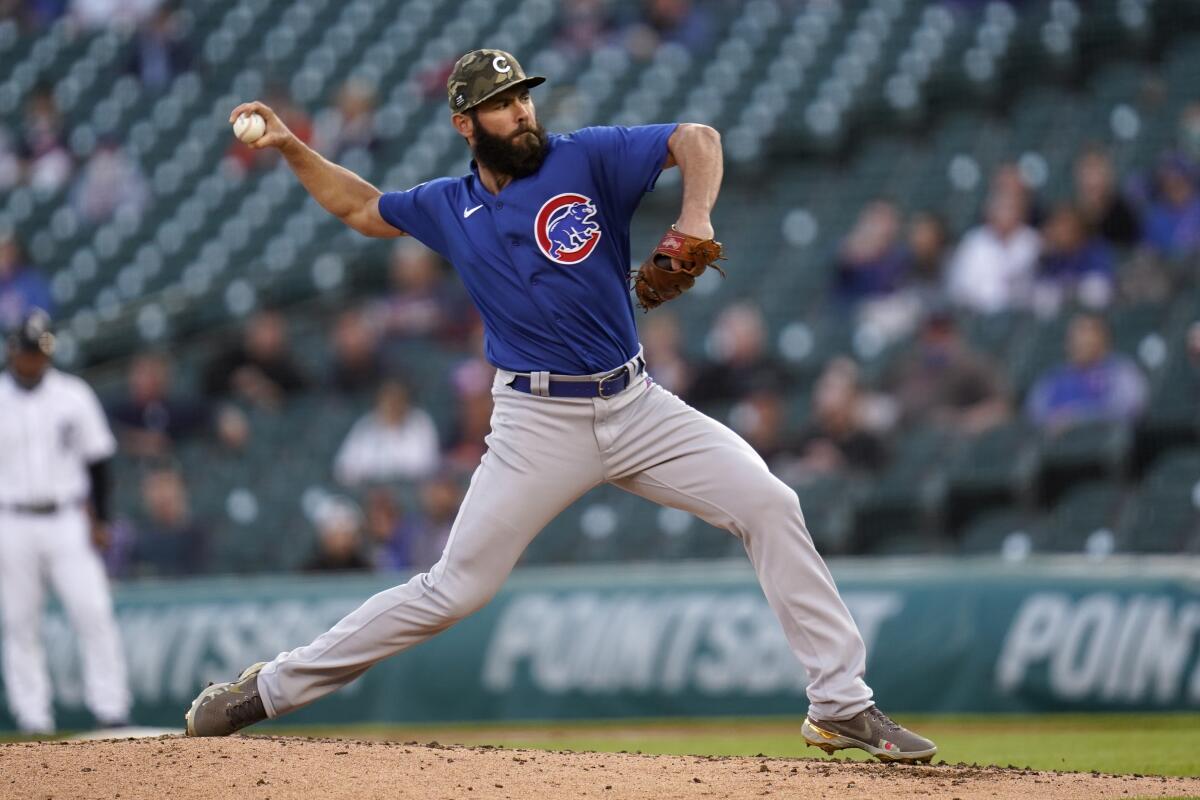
x,y
34,334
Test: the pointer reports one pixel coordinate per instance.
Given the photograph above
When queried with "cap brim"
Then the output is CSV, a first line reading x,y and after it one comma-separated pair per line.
x,y
22,345
528,82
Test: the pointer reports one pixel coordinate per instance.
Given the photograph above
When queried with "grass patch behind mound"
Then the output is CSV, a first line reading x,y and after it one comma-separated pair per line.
x,y
1148,744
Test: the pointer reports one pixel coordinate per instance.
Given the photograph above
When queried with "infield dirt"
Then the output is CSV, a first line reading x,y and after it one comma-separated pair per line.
x,y
282,768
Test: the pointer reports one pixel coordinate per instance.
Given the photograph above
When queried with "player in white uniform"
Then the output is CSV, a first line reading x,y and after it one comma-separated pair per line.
x,y
55,447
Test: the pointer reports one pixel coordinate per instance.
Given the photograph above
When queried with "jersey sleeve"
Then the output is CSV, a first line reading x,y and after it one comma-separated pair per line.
x,y
417,212
627,161
97,441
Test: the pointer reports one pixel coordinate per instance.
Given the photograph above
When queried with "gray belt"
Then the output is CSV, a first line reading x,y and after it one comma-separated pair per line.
x,y
43,508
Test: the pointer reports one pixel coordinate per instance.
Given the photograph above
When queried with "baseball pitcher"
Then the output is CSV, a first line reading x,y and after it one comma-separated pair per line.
x,y
539,232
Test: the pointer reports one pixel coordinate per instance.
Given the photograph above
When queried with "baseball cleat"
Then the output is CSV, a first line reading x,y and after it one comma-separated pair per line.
x,y
224,708
870,730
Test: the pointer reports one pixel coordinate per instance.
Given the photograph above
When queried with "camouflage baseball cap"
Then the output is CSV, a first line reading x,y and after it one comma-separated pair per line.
x,y
481,74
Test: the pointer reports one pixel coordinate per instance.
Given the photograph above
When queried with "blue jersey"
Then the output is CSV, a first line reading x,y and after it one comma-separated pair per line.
x,y
546,260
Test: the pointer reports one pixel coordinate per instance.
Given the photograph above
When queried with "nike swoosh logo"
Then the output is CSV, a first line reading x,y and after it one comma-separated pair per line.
x,y
469,211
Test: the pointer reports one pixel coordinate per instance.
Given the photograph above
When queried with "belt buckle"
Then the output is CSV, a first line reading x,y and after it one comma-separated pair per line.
x,y
601,383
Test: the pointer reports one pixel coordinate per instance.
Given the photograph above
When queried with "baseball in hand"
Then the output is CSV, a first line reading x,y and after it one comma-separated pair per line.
x,y
249,127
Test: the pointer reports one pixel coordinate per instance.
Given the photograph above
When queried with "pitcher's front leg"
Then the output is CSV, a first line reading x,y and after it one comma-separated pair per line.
x,y
681,458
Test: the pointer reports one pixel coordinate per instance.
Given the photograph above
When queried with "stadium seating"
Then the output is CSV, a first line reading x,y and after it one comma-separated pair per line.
x,y
823,106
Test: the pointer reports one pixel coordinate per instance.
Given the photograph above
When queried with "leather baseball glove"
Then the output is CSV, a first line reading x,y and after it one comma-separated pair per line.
x,y
673,267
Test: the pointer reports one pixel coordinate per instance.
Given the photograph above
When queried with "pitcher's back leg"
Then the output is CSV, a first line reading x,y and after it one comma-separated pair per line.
x,y
522,483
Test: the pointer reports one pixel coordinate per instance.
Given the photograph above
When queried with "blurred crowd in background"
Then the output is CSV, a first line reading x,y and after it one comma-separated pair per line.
x,y
901,270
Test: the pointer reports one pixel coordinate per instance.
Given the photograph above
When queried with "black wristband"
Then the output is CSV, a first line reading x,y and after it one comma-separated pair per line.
x,y
100,473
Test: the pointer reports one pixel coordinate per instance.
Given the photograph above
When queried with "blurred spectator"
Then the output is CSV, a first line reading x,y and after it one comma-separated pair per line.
x,y
583,25
339,538
942,381
926,252
260,369
472,381
1189,133
1193,352
739,357
48,165
233,428
472,425
894,315
295,117
681,22
1105,212
356,363
169,542
33,15
10,161
1074,265
396,441
21,286
432,80
992,270
149,419
661,348
350,123
389,529
1007,180
760,419
838,438
1095,384
109,182
123,14
871,262
160,51
422,302
1172,223
440,498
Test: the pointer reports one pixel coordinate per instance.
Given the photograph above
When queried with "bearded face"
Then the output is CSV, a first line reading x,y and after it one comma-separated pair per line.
x,y
518,155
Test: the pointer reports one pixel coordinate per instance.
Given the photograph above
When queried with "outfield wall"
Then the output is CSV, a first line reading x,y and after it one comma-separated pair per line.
x,y
687,639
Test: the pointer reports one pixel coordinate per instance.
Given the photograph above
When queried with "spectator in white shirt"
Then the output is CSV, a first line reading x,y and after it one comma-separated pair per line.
x,y
395,441
994,266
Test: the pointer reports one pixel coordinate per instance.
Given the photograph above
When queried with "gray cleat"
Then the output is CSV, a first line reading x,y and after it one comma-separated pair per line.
x,y
224,708
869,730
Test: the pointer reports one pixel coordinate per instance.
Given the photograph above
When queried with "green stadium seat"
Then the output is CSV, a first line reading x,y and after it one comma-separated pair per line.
x,y
1083,521
826,504
1000,531
1165,515
1090,450
992,469
907,495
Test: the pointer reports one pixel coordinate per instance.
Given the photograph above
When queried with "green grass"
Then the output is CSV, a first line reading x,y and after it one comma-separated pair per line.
x,y
1149,744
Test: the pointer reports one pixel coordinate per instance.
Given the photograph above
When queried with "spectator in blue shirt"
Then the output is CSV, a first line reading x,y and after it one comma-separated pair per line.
x,y
169,541
1172,225
1095,385
872,261
160,51
1074,264
21,287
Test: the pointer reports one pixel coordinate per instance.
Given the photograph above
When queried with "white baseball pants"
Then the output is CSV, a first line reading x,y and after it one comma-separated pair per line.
x,y
57,547
543,454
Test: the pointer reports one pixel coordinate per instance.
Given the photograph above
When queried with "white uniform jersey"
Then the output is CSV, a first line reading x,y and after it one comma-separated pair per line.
x,y
48,436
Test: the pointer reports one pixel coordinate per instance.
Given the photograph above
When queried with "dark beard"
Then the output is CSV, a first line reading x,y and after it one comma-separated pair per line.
x,y
505,156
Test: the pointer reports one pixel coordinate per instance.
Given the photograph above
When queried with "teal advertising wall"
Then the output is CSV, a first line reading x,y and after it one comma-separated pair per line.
x,y
684,639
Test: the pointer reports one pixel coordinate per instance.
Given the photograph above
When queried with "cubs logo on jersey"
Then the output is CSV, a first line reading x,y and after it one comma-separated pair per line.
x,y
566,229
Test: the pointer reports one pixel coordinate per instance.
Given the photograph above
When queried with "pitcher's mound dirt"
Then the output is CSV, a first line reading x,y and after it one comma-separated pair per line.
x,y
281,768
